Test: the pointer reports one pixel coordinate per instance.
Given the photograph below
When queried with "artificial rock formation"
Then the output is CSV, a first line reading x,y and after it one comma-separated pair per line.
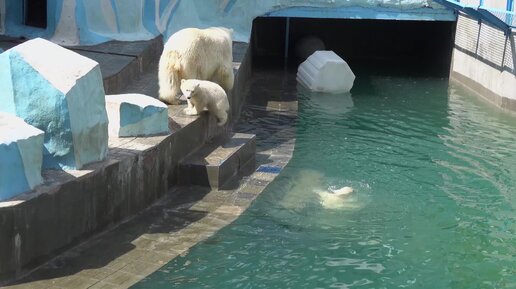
x,y
61,93
136,115
21,155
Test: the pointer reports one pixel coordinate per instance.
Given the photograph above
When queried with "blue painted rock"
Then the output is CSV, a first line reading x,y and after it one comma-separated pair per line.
x,y
61,93
136,115
21,155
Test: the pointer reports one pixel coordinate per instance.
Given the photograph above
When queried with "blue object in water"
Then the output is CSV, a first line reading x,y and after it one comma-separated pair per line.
x,y
269,169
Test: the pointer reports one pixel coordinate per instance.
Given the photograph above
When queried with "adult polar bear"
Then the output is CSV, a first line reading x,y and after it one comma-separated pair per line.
x,y
192,53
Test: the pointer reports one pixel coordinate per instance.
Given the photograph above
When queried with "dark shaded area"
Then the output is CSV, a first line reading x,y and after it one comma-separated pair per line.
x,y
380,47
36,13
268,38
219,161
173,214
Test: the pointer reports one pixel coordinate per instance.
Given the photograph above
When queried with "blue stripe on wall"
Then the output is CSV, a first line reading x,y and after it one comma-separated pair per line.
x,y
229,6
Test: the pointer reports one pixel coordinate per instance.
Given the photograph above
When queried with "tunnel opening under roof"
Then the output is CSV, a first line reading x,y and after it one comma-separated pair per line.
x,y
384,47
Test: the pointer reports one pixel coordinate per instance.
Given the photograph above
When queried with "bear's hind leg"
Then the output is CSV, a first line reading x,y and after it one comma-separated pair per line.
x,y
224,76
168,77
170,99
222,117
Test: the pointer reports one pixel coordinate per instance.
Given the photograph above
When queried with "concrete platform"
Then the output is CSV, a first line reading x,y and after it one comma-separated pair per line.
x,y
185,216
73,205
218,162
120,62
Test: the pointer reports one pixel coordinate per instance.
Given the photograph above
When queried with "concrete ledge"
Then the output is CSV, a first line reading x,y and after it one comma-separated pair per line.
x,y
73,205
122,62
215,164
478,89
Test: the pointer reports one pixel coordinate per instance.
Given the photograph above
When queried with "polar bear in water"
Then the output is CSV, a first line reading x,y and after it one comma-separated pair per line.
x,y
309,187
334,199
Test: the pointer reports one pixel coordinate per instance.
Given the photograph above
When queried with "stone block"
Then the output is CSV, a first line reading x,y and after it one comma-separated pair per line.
x,y
216,164
61,93
325,71
136,115
21,155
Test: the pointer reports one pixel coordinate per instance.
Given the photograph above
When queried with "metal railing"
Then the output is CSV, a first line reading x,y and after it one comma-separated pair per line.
x,y
504,19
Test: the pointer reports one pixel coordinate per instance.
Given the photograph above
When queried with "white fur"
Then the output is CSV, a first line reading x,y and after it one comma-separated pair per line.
x,y
203,94
336,199
193,53
343,191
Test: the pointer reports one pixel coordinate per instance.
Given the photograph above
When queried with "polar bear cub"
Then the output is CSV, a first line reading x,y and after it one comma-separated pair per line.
x,y
192,53
203,94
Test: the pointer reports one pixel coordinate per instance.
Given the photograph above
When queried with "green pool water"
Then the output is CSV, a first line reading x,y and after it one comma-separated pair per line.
x,y
434,174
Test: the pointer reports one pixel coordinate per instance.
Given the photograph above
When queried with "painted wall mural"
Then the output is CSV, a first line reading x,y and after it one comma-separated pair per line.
x,y
73,22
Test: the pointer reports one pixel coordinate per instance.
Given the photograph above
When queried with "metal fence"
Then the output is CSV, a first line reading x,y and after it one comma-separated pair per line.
x,y
498,13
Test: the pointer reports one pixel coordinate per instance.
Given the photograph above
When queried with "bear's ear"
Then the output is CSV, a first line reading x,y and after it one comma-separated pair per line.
x,y
182,81
196,85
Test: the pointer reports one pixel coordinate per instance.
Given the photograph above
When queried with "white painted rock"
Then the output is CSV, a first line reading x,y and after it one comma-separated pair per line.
x,y
21,156
136,115
61,93
325,71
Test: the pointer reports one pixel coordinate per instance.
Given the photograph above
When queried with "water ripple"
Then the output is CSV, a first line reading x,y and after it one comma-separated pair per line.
x,y
434,177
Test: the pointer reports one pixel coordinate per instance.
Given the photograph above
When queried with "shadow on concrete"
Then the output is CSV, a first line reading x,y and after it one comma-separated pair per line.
x,y
169,215
271,106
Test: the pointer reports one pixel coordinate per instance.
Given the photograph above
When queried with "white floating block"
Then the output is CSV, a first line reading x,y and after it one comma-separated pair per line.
x,y
21,156
136,115
61,93
325,71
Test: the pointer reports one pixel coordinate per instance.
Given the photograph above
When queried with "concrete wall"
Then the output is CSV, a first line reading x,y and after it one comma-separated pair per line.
x,y
72,22
72,206
484,59
62,214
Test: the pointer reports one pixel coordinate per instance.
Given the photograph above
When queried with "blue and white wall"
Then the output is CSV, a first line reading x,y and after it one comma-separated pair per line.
x,y
73,22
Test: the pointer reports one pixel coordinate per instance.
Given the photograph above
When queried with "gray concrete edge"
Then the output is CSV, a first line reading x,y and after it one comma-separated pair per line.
x,y
62,214
478,89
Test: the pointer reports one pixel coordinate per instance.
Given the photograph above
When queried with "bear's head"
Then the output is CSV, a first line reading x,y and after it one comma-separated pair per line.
x,y
189,87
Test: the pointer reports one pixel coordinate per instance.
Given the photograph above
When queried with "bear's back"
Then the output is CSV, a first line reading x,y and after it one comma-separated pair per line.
x,y
183,40
210,88
190,39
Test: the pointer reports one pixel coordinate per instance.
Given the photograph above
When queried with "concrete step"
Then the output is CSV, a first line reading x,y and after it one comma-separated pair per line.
x,y
122,62
219,162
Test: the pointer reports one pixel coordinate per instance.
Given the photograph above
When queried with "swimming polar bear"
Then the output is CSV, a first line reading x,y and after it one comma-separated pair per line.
x,y
334,199
191,53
